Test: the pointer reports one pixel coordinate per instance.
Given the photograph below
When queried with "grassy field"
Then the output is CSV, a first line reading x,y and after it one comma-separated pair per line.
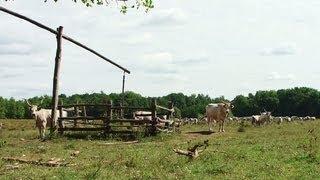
x,y
286,151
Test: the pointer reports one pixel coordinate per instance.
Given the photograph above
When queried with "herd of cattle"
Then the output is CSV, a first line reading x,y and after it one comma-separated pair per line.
x,y
215,113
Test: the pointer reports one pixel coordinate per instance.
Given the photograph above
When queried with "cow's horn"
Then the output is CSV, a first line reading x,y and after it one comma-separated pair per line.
x,y
28,102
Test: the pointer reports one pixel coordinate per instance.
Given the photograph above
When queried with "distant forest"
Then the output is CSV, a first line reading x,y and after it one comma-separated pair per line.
x,y
300,101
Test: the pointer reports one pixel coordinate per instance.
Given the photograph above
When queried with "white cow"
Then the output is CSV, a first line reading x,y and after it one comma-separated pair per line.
x,y
217,113
278,120
261,119
43,118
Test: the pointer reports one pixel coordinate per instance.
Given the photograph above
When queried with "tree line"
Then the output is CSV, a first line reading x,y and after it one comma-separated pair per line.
x,y
285,102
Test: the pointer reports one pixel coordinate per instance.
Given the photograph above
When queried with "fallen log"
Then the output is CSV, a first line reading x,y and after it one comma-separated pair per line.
x,y
51,163
194,151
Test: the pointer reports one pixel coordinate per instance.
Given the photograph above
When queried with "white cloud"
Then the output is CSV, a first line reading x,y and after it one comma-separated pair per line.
x,y
163,46
139,39
15,49
282,50
166,17
158,63
274,76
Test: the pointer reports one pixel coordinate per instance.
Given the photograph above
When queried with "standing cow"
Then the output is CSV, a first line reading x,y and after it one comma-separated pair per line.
x,y
259,120
43,118
217,113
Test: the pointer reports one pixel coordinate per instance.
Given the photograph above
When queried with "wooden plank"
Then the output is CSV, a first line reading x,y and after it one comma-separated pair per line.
x,y
170,113
63,36
82,129
109,117
131,121
154,116
76,108
59,121
105,105
98,129
84,111
143,114
81,118
55,91
126,126
164,108
87,105
83,123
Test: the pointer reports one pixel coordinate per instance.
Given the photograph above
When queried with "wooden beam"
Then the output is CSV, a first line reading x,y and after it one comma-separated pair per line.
x,y
55,91
154,116
164,108
105,105
42,26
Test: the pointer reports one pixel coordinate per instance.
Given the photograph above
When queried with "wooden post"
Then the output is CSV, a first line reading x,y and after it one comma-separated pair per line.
x,y
55,91
60,121
170,116
84,111
75,122
108,118
154,116
122,94
170,113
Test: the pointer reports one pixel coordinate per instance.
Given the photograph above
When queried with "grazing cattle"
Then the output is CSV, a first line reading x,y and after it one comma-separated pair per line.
x,y
43,118
69,112
313,118
142,115
261,119
236,119
278,120
287,118
190,121
294,118
217,113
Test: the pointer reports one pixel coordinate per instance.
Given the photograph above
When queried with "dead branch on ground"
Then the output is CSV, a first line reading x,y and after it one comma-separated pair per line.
x,y
194,151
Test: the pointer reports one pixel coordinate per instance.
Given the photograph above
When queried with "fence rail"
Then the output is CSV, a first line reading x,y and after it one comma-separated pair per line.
x,y
113,114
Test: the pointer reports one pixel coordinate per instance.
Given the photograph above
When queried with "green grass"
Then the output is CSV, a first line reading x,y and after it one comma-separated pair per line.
x,y
285,151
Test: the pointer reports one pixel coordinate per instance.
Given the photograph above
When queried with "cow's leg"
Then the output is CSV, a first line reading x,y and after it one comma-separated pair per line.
x,y
222,126
43,132
210,124
40,133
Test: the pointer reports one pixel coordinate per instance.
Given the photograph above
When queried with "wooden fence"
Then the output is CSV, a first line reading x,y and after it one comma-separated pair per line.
x,y
112,120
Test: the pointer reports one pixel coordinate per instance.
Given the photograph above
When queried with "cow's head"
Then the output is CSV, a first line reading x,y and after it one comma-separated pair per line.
x,y
33,108
228,106
266,114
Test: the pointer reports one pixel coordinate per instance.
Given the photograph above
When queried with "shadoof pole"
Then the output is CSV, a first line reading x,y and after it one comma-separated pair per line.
x,y
123,84
42,26
59,36
122,93
55,90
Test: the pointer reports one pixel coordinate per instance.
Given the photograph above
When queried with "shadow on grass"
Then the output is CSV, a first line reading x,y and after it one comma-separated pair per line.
x,y
201,132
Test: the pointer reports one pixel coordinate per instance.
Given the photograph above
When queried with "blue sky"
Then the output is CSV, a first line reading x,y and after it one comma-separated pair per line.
x,y
214,47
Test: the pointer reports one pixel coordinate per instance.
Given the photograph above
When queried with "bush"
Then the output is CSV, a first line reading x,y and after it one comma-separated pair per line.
x,y
241,127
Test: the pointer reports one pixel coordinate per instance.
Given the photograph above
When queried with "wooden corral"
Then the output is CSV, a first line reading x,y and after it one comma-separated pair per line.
x,y
117,119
